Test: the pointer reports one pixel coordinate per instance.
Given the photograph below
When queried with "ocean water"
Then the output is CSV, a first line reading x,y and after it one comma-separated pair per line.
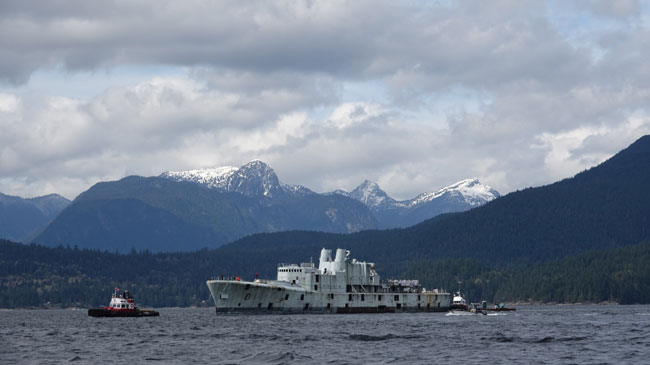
x,y
596,334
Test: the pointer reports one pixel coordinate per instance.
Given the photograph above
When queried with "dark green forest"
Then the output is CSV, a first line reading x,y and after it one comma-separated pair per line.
x,y
619,275
37,276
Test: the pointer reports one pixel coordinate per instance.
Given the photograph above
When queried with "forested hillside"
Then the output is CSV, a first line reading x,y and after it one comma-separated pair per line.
x,y
37,276
620,275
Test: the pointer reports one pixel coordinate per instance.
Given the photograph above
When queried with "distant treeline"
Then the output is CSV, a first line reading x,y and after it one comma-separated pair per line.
x,y
37,276
620,275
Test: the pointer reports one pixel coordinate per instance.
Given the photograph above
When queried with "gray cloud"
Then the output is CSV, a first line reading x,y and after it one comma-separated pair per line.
x,y
620,9
268,80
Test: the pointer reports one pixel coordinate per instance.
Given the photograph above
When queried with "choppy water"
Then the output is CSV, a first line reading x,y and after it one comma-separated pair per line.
x,y
542,335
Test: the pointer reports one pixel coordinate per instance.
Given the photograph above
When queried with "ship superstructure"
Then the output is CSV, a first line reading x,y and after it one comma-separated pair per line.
x,y
341,285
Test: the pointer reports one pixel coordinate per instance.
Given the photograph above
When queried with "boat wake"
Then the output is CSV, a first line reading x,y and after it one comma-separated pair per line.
x,y
464,313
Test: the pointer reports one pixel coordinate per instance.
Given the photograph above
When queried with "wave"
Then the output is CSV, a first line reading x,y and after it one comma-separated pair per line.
x,y
548,339
390,336
271,358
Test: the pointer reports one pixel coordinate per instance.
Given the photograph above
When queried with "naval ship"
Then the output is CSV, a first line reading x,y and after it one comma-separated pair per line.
x,y
342,285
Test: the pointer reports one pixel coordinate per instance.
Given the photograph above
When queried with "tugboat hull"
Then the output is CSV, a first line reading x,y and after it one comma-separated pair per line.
x,y
101,312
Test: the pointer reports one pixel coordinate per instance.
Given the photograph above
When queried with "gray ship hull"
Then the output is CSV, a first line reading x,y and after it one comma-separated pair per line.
x,y
279,297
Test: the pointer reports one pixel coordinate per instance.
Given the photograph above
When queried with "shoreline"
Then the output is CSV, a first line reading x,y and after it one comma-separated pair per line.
x,y
508,305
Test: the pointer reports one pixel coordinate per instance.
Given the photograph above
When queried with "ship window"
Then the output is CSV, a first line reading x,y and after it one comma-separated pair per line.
x,y
418,297
379,297
348,288
315,287
316,278
329,305
363,297
286,297
428,305
269,306
418,305
302,296
397,298
349,297
306,306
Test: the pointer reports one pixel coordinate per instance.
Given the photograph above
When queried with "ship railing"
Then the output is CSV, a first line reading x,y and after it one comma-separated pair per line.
x,y
287,265
307,264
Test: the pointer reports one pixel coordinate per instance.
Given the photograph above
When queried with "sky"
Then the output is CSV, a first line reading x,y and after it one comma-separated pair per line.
x,y
413,95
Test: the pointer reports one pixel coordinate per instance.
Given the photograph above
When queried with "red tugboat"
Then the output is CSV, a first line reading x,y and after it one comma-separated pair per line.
x,y
121,306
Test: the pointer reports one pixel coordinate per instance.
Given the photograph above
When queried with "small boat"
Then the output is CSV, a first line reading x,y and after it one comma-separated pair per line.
x,y
473,308
459,303
121,305
500,308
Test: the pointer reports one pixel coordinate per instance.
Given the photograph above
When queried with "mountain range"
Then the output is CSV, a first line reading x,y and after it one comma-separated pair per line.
x,y
158,214
21,219
189,210
257,179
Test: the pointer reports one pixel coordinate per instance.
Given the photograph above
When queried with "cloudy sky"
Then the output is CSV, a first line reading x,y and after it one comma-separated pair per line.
x,y
414,95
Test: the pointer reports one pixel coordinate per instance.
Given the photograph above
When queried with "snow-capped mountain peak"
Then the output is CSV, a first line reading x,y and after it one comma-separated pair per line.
x,y
370,194
255,179
470,190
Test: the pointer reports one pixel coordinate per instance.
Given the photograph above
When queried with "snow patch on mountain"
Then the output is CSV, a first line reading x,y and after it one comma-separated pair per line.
x,y
217,177
297,190
256,178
